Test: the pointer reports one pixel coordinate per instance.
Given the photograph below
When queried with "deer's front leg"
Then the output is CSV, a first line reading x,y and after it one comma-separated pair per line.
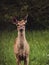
x,y
26,61
18,61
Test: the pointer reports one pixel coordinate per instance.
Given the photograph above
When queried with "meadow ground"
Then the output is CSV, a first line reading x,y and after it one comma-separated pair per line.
x,y
39,47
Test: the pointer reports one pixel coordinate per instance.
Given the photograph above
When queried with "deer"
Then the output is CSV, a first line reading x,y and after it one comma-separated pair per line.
x,y
21,46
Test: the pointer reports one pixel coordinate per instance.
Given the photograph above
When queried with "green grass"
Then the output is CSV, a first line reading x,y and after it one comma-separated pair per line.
x,y
39,47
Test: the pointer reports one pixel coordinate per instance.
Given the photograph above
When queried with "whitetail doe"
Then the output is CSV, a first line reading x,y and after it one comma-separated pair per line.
x,y
21,46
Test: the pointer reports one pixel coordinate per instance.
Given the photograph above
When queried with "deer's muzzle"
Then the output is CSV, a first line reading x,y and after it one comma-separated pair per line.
x,y
21,30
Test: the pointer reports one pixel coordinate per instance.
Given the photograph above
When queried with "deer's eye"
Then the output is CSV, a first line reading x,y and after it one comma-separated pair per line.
x,y
17,25
24,24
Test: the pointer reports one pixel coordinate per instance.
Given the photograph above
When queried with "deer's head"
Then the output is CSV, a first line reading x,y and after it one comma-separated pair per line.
x,y
20,23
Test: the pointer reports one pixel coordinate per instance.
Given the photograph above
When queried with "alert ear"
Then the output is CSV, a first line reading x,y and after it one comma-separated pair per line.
x,y
14,20
25,18
25,21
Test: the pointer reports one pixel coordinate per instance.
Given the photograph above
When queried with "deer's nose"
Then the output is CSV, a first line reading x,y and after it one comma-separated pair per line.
x,y
21,30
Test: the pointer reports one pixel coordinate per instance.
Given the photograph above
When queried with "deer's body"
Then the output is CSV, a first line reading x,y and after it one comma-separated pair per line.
x,y
21,47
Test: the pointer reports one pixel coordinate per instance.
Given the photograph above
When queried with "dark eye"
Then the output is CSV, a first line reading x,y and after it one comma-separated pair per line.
x,y
17,25
23,24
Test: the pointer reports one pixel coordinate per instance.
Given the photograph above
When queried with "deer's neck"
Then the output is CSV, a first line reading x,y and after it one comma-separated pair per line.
x,y
21,35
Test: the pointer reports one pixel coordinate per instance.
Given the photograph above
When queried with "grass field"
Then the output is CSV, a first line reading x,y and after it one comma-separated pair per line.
x,y
39,47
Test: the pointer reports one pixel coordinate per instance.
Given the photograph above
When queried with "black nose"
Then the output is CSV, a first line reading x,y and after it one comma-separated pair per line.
x,y
21,30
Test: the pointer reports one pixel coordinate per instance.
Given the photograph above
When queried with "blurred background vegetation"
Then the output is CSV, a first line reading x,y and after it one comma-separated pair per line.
x,y
37,10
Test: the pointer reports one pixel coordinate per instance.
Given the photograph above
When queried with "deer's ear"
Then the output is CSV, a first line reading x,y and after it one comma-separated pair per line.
x,y
25,18
25,21
14,20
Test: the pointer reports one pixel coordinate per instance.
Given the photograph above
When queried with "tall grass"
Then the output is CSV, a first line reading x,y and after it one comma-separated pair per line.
x,y
39,47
